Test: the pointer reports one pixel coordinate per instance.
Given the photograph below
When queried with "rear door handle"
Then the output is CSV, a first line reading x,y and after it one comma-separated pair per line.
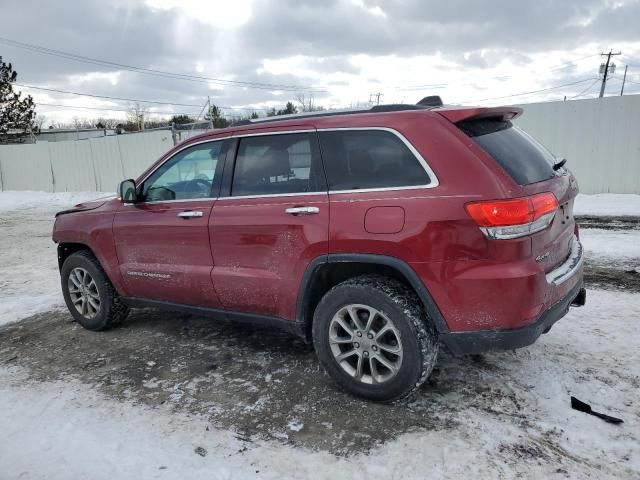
x,y
190,214
302,210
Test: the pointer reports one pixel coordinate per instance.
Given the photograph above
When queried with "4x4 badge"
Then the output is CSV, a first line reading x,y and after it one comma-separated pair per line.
x,y
542,257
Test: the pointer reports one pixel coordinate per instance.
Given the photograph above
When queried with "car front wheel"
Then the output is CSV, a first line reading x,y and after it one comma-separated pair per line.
x,y
88,293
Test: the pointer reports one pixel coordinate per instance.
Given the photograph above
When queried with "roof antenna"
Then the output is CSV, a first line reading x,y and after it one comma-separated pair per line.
x,y
431,101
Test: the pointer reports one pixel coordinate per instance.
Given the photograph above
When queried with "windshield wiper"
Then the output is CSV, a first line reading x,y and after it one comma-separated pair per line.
x,y
559,164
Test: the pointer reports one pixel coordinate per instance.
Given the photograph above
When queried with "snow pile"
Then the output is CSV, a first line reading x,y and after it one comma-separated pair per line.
x,y
607,205
25,200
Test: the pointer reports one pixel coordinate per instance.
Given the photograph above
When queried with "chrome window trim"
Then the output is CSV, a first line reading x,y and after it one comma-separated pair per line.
x,y
283,132
155,202
272,195
434,179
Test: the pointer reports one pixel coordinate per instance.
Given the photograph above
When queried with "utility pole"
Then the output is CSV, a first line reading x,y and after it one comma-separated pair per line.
x,y
624,79
605,71
377,96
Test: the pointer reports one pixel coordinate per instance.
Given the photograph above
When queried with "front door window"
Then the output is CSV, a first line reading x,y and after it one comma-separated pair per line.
x,y
191,174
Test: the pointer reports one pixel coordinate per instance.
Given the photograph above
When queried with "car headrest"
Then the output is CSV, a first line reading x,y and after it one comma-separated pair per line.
x,y
276,162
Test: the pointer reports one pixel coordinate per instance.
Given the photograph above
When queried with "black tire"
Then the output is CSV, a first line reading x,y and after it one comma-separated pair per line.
x,y
419,341
110,312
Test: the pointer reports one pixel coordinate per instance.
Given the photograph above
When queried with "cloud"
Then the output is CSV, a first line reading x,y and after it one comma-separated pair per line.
x,y
347,48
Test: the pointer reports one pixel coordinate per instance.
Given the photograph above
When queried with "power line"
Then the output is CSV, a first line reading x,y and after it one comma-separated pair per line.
x,y
530,92
628,81
108,109
586,89
109,97
124,99
149,71
499,77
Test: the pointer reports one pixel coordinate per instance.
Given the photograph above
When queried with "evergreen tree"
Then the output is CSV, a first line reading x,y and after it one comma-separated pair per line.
x,y
181,119
289,109
214,114
17,116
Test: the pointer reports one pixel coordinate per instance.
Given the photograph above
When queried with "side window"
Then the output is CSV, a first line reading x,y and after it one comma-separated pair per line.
x,y
357,159
273,164
190,174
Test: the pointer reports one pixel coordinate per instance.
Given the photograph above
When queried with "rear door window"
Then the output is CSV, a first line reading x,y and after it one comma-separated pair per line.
x,y
277,164
523,158
359,159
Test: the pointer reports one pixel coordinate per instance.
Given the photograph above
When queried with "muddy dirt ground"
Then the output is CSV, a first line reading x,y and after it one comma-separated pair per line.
x,y
267,384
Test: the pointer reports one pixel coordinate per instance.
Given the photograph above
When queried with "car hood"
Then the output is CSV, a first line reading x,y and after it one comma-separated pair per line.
x,y
86,206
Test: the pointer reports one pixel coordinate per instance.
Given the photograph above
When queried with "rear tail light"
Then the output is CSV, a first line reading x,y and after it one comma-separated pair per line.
x,y
518,217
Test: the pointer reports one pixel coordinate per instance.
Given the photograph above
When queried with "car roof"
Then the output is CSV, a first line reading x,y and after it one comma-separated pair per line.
x,y
380,116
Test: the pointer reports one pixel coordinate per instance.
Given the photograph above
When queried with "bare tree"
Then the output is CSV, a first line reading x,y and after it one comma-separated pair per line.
x,y
109,123
307,104
137,114
39,122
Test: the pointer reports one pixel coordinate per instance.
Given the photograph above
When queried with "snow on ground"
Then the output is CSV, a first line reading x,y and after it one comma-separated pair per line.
x,y
65,429
607,204
29,279
623,246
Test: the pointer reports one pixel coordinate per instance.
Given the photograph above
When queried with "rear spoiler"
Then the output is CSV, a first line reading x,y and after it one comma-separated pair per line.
x,y
457,115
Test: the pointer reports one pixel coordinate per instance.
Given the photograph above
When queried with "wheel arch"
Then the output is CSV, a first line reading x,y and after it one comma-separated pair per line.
x,y
328,270
66,249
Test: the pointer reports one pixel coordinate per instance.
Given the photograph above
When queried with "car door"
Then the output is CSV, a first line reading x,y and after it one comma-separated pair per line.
x,y
162,241
272,219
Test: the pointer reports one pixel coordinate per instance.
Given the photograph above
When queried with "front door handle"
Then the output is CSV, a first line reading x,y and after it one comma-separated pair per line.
x,y
190,214
302,210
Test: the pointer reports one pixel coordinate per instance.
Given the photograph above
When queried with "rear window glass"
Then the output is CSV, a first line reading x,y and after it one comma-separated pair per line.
x,y
526,160
357,159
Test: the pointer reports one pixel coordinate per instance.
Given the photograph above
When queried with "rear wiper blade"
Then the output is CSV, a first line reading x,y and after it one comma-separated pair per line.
x,y
559,164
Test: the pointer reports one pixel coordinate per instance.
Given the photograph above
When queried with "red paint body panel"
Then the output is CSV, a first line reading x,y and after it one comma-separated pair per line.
x,y
163,256
93,227
261,252
247,254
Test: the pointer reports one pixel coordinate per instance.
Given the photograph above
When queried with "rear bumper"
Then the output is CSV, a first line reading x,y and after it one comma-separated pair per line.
x,y
462,343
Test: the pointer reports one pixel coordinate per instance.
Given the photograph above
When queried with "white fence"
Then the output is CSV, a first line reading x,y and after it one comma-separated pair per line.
x,y
84,165
600,138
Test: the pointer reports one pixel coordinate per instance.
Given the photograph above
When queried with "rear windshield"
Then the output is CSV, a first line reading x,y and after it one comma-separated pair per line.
x,y
526,160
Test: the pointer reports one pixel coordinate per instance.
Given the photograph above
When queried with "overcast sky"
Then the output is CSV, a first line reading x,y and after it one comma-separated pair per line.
x,y
339,51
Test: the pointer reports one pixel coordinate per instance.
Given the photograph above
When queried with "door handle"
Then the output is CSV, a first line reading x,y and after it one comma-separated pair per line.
x,y
302,210
190,214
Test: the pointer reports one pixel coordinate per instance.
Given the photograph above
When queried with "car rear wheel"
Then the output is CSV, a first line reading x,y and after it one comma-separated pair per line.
x,y
88,293
374,339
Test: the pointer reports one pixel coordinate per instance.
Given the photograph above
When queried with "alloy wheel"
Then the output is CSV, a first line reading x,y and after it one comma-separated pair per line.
x,y
83,292
365,343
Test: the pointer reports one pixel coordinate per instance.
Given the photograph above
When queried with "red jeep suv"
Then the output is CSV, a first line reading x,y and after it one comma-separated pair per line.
x,y
377,234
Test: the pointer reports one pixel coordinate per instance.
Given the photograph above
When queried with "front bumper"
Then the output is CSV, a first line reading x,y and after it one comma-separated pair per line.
x,y
464,343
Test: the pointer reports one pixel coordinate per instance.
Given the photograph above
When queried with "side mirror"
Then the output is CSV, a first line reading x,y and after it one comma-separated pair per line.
x,y
127,191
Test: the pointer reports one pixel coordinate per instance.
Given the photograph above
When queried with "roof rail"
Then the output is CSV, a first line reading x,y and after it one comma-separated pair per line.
x,y
395,107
